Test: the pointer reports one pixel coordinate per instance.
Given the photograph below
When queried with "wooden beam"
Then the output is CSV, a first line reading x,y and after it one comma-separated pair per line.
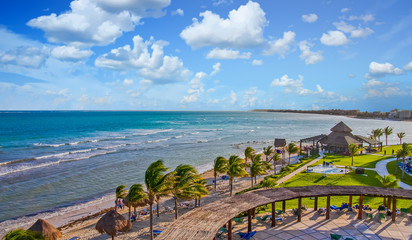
x,y
273,214
229,230
389,202
284,206
316,204
350,201
328,207
394,209
249,220
299,209
360,207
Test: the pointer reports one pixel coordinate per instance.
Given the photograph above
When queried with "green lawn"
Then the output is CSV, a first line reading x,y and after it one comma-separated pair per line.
x,y
363,160
389,149
392,169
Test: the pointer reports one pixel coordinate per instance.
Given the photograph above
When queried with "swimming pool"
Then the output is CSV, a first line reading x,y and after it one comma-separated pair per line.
x,y
327,169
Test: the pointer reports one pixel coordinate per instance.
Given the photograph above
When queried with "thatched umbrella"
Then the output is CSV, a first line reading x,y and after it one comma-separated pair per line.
x,y
135,204
45,229
111,223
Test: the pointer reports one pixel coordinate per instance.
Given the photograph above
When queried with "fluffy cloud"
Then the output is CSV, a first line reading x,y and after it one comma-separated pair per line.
x,y
225,53
257,62
334,38
178,12
233,97
220,2
249,97
128,82
70,53
365,18
196,88
344,27
307,55
216,68
361,32
310,18
282,45
295,86
31,57
155,66
343,10
243,28
96,22
381,69
408,66
375,88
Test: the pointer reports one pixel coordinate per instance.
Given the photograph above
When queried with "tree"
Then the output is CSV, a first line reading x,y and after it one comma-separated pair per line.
x,y
268,183
200,189
400,136
249,152
276,158
377,133
135,195
292,149
267,151
120,194
387,131
405,151
20,234
219,166
258,167
398,156
155,183
353,149
236,168
389,181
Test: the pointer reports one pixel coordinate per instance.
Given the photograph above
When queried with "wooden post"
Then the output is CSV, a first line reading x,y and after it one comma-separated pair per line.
x,y
284,206
249,220
328,207
299,209
316,204
229,230
394,209
350,201
389,202
273,214
360,207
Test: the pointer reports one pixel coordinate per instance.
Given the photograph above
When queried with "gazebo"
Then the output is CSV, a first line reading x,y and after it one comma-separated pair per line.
x,y
340,138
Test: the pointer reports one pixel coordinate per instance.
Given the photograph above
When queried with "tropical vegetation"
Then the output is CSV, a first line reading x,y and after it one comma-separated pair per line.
x,y
20,234
236,168
291,148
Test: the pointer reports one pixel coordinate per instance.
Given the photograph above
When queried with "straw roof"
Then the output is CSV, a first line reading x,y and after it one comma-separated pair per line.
x,y
111,223
341,127
45,229
368,140
280,142
205,221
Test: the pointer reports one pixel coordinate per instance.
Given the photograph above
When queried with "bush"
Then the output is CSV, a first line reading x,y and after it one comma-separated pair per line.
x,y
20,234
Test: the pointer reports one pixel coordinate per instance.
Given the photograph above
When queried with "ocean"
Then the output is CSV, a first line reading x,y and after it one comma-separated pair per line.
x,y
51,161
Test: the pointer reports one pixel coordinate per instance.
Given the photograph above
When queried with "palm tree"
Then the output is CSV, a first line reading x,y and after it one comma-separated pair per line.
x,y
268,183
400,136
276,158
405,151
387,131
120,194
135,194
377,133
292,149
20,234
258,167
267,151
155,183
249,152
219,166
159,196
389,181
398,156
353,149
236,168
181,183
200,189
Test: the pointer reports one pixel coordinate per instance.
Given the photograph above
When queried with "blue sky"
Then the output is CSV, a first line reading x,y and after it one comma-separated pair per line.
x,y
205,55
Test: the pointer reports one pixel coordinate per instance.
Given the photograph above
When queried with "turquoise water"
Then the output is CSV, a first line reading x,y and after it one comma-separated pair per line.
x,y
51,160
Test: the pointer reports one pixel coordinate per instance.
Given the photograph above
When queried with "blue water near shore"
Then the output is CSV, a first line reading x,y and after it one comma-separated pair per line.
x,y
51,160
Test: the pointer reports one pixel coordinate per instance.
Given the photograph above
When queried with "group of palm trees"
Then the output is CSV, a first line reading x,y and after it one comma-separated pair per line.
x,y
182,183
379,132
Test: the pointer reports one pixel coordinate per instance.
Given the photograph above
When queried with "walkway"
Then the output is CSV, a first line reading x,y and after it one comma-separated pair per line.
x,y
382,171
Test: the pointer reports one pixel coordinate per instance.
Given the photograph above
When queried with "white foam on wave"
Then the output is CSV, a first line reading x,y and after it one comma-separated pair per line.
x,y
150,132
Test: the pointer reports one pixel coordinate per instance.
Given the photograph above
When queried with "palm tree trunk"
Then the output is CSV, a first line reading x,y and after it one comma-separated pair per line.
x,y
134,210
151,220
255,179
199,200
352,160
130,211
386,140
175,207
251,181
403,168
215,181
157,210
112,237
231,185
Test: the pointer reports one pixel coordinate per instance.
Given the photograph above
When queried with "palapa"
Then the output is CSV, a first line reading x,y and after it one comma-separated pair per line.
x,y
45,229
112,223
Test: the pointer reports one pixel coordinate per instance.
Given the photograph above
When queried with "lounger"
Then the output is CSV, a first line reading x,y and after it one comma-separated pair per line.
x,y
247,235
262,218
335,236
220,233
333,207
382,217
157,232
238,220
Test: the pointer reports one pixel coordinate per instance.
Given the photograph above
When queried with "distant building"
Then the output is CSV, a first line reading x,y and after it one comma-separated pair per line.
x,y
405,114
394,114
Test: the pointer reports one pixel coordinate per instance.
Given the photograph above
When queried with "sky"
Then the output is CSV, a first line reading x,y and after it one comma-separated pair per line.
x,y
205,54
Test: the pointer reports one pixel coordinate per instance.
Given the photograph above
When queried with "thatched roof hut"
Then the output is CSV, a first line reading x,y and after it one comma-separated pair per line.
x,y
45,229
340,138
112,223
280,142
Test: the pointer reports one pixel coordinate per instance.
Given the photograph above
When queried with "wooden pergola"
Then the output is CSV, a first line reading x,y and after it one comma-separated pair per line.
x,y
204,222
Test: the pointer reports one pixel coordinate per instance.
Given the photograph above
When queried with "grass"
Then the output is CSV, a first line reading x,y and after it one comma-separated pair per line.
x,y
389,149
363,160
391,167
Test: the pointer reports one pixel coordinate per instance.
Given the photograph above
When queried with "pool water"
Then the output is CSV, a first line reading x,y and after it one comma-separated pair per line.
x,y
327,169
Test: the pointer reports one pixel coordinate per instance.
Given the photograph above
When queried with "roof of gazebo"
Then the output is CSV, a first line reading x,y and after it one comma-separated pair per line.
x,y
341,127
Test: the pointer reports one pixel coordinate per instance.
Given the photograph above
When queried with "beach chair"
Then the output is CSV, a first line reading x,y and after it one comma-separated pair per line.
x,y
75,238
333,207
335,236
238,220
262,218
279,212
404,211
369,215
157,232
247,235
382,217
220,233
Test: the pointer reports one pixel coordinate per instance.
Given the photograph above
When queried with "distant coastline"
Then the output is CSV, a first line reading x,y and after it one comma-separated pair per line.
x,y
403,115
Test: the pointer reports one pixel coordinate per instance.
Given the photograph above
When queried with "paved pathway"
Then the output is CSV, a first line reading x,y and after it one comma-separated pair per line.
x,y
382,171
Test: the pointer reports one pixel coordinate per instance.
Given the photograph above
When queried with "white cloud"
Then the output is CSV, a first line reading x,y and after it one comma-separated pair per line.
x,y
216,68
144,85
218,53
295,86
310,18
307,55
196,88
257,62
408,66
96,22
211,90
373,83
233,97
365,18
361,32
128,82
344,27
381,69
334,38
70,53
281,45
178,12
220,2
343,10
351,75
249,97
156,66
242,28
25,56
375,88
213,101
